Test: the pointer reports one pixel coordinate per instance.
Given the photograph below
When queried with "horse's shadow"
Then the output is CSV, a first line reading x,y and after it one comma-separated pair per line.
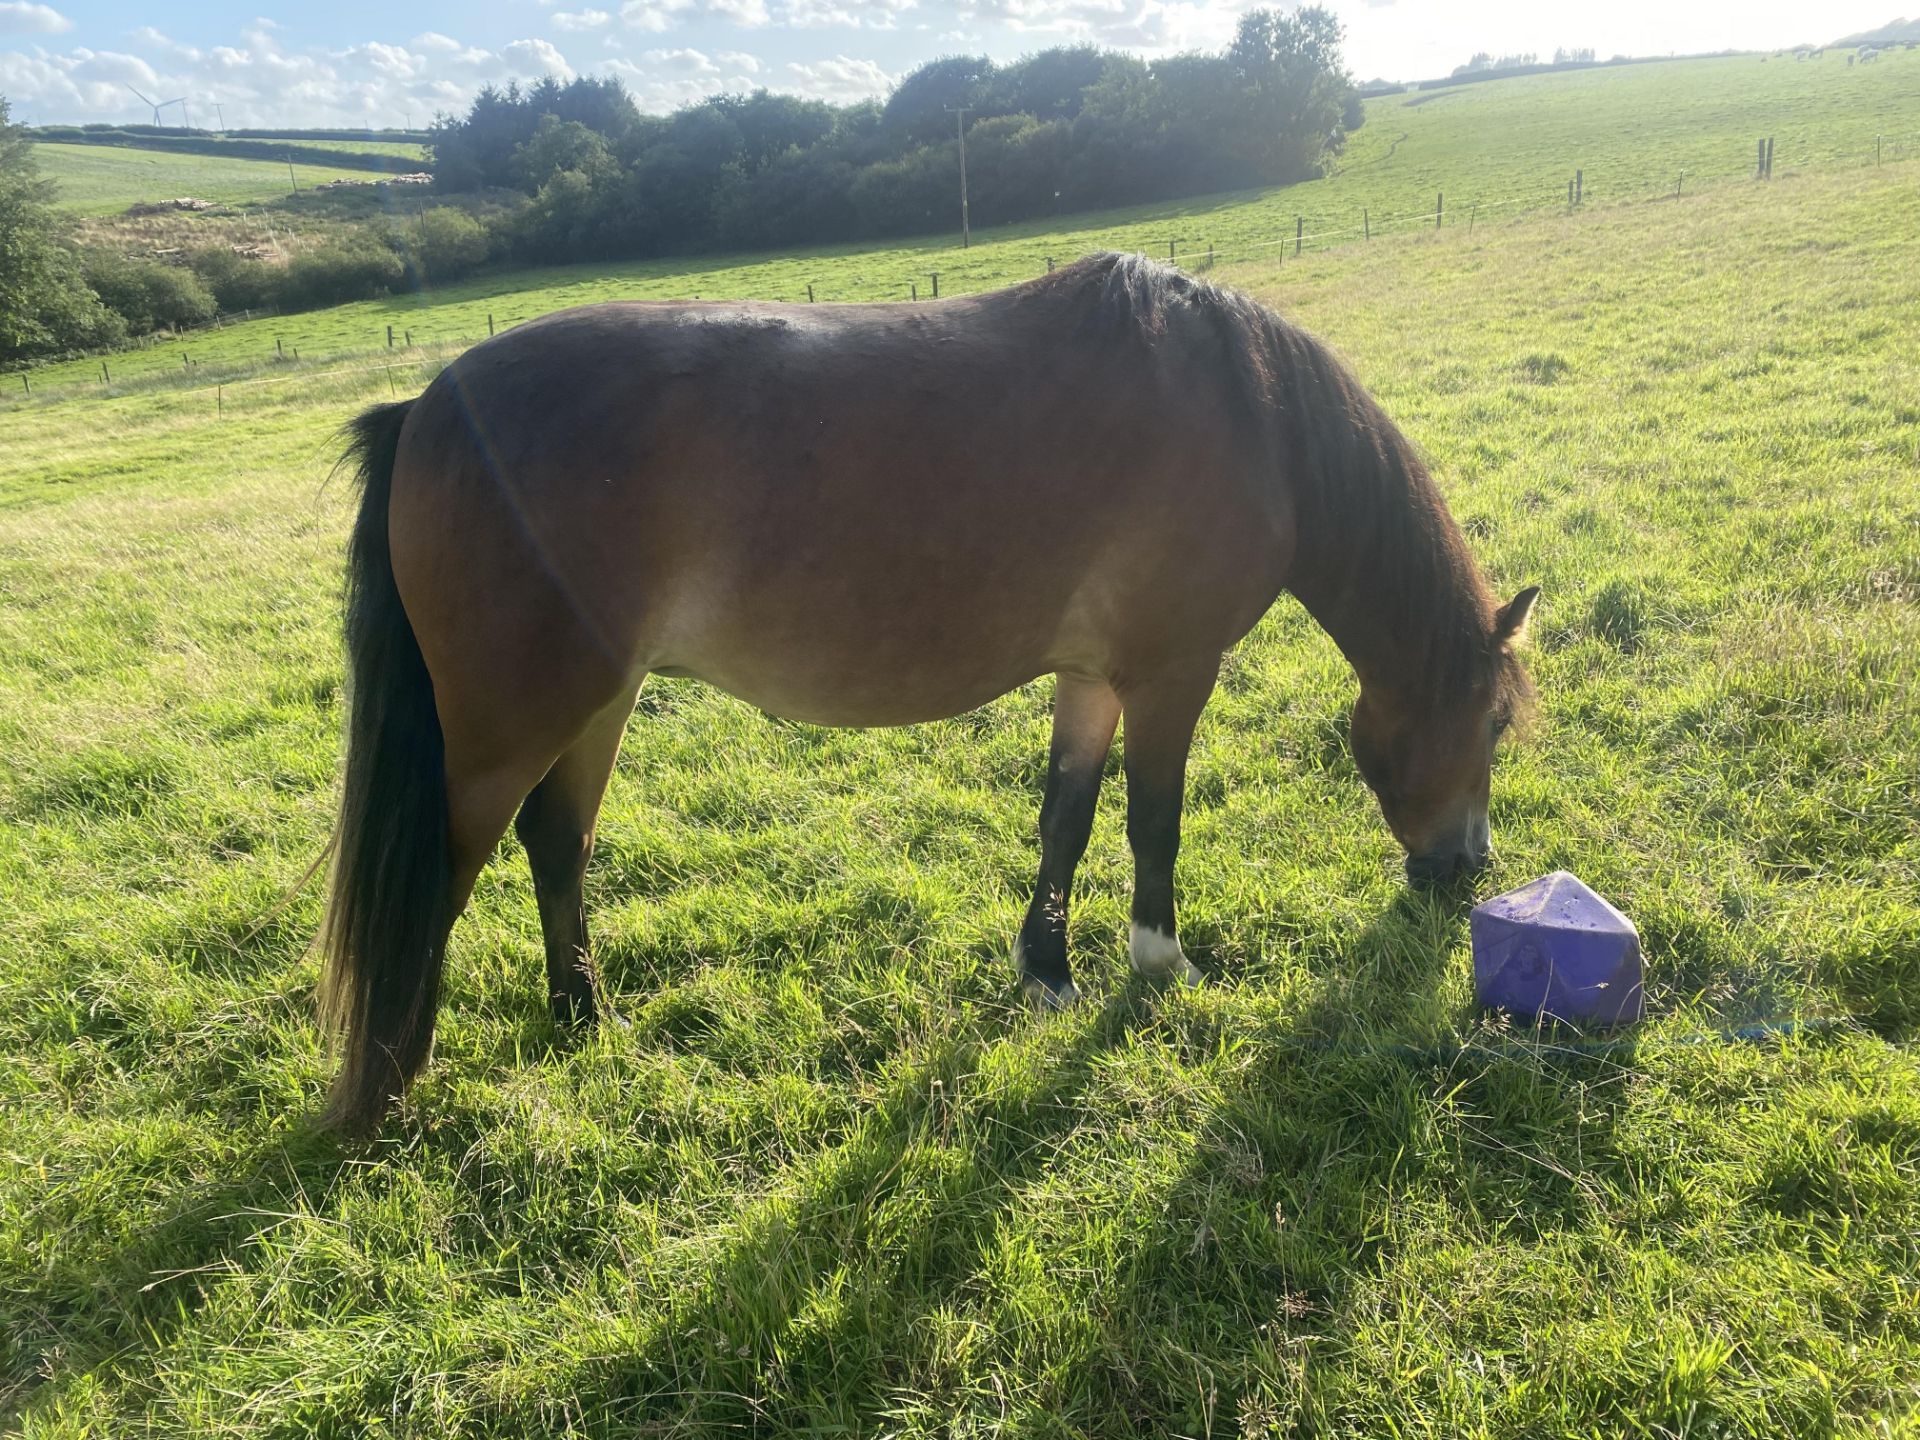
x,y
799,1307
803,1318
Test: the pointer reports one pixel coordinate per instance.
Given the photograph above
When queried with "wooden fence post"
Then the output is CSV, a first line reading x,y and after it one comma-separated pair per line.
x,y
1049,264
219,401
1579,187
809,292
1569,192
914,286
1170,254
936,284
1366,224
279,348
1299,225
489,324
389,337
1439,208
23,383
1760,162
1769,157
105,377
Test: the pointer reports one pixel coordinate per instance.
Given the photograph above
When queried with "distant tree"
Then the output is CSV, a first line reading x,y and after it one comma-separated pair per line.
x,y
146,295
917,111
769,125
602,104
447,243
45,305
1292,93
1064,128
1051,84
558,145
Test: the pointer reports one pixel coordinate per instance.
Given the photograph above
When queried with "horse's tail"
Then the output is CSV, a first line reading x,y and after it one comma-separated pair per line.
x,y
386,922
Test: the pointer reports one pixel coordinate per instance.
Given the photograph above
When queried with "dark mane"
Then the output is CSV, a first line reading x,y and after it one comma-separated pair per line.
x,y
1354,475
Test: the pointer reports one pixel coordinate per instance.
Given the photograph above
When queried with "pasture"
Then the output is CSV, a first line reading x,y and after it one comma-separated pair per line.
x,y
404,149
106,179
828,1176
1509,147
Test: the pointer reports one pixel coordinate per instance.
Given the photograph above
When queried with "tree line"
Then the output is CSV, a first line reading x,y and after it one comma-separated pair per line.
x,y
590,177
1070,128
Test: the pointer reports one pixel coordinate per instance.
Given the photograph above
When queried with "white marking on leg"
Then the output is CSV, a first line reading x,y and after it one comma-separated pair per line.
x,y
1158,956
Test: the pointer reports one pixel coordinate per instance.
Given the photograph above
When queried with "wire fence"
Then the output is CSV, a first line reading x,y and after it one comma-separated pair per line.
x,y
417,357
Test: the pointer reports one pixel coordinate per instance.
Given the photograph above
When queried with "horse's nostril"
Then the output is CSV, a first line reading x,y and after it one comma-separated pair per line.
x,y
1442,866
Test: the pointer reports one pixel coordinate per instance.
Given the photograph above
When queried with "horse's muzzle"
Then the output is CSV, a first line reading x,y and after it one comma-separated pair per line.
x,y
1441,867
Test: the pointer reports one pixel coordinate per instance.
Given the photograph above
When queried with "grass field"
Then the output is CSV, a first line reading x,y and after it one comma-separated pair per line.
x,y
828,1178
104,179
1511,146
405,149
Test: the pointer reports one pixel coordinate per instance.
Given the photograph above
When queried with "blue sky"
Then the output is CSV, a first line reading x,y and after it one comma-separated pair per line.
x,y
354,62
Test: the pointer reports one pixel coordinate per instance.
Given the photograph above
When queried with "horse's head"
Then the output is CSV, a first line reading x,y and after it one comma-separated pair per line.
x,y
1431,765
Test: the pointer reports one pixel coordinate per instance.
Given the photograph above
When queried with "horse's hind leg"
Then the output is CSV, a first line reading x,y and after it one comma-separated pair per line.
x,y
1085,713
556,825
1161,713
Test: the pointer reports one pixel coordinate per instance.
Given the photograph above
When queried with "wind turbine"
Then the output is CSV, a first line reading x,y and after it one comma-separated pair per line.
x,y
156,108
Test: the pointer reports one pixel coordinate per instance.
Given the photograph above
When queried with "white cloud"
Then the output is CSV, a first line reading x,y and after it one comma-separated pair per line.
x,y
534,58
657,15
690,61
845,14
840,79
258,82
665,80
18,17
576,20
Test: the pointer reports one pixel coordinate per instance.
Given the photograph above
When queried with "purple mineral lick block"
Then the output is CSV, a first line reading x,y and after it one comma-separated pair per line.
x,y
1554,950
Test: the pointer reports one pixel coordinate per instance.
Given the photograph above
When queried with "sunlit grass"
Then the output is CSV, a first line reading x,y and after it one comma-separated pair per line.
x,y
102,179
828,1177
1496,151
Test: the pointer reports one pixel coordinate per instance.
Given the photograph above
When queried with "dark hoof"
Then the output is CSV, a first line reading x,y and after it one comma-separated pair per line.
x,y
1047,998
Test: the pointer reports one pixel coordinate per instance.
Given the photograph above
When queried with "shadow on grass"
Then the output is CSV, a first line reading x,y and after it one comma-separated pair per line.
x,y
937,1261
108,1305
906,1273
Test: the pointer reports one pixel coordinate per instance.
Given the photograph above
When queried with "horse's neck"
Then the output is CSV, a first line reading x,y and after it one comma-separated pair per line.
x,y
1381,566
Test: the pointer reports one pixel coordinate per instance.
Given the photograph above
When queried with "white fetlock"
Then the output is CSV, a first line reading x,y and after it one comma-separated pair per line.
x,y
1158,956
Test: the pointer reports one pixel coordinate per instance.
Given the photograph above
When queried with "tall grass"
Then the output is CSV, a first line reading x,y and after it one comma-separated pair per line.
x,y
825,1176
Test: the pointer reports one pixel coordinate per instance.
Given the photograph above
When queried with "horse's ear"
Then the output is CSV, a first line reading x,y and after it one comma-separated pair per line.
x,y
1510,621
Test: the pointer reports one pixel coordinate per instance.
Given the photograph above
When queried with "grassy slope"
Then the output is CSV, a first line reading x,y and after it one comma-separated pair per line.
x,y
102,179
830,1175
406,149
1511,142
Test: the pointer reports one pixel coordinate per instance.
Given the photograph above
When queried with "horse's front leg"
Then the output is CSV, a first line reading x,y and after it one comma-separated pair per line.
x,y
1085,713
1161,713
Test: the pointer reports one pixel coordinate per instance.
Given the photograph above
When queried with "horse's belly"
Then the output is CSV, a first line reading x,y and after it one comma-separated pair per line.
x,y
854,698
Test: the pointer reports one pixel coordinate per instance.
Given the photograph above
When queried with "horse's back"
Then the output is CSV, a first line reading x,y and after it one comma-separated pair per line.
x,y
855,513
